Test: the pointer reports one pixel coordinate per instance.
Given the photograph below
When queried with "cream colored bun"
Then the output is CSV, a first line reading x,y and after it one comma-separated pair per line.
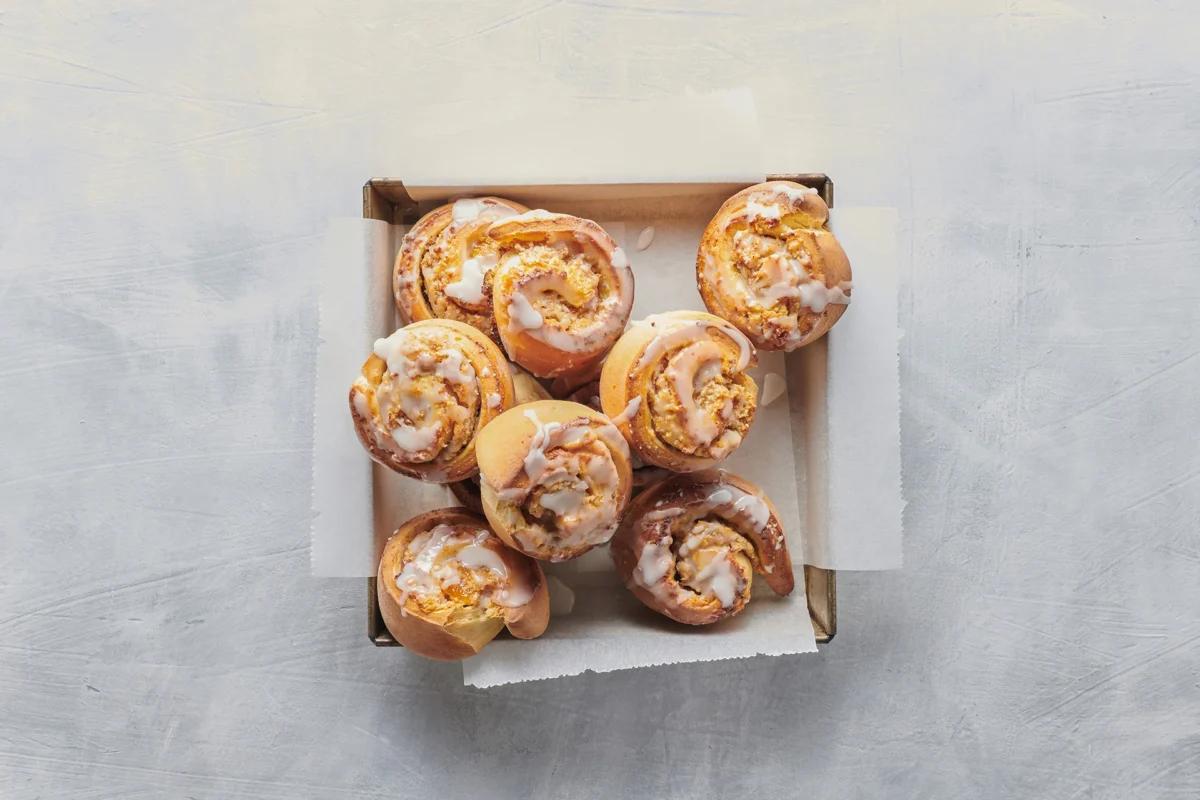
x,y
688,546
554,477
768,263
425,393
561,292
444,266
447,585
676,386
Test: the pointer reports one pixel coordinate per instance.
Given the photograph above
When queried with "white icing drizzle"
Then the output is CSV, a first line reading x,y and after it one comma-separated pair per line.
x,y
663,513
755,508
455,368
535,459
469,209
654,562
752,507
428,571
494,399
757,210
475,556
719,579
565,501
793,192
627,413
816,296
672,331
607,317
522,314
719,496
619,259
684,372
469,287
532,215
416,439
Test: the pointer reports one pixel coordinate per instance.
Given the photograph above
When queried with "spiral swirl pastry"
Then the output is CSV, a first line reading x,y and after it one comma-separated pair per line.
x,y
768,263
555,477
676,387
447,585
443,269
561,292
689,546
425,393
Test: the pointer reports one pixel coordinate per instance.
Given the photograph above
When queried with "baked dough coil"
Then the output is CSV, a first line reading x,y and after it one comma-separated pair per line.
x,y
769,264
443,269
447,585
676,387
425,393
555,477
689,546
562,292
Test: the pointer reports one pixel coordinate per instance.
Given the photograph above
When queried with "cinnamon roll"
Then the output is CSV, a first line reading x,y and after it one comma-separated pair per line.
x,y
688,546
447,585
555,477
676,387
561,292
769,264
443,269
425,393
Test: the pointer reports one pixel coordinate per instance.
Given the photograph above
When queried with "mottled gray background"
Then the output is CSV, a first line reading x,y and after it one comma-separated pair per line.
x,y
163,173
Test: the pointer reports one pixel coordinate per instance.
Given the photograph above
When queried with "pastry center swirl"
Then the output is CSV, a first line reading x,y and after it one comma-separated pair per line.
x,y
701,403
429,397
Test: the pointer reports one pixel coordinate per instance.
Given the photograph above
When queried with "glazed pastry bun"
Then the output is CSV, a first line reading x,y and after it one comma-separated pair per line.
x,y
443,269
561,292
555,477
768,263
425,393
688,546
447,585
675,385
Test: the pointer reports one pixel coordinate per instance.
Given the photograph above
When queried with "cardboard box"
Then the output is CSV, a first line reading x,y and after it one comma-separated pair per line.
x,y
387,200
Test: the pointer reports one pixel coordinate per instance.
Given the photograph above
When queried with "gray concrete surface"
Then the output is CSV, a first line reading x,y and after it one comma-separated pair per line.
x,y
163,172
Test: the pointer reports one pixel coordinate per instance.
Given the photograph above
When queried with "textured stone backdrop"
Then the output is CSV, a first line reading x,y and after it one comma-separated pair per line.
x,y
164,170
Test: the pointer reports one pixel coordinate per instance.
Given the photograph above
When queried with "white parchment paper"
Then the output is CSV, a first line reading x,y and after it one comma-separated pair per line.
x,y
837,487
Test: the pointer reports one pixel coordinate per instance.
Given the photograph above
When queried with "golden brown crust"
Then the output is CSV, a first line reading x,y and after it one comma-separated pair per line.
x,y
555,477
422,420
432,256
561,292
671,417
768,263
451,627
688,546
